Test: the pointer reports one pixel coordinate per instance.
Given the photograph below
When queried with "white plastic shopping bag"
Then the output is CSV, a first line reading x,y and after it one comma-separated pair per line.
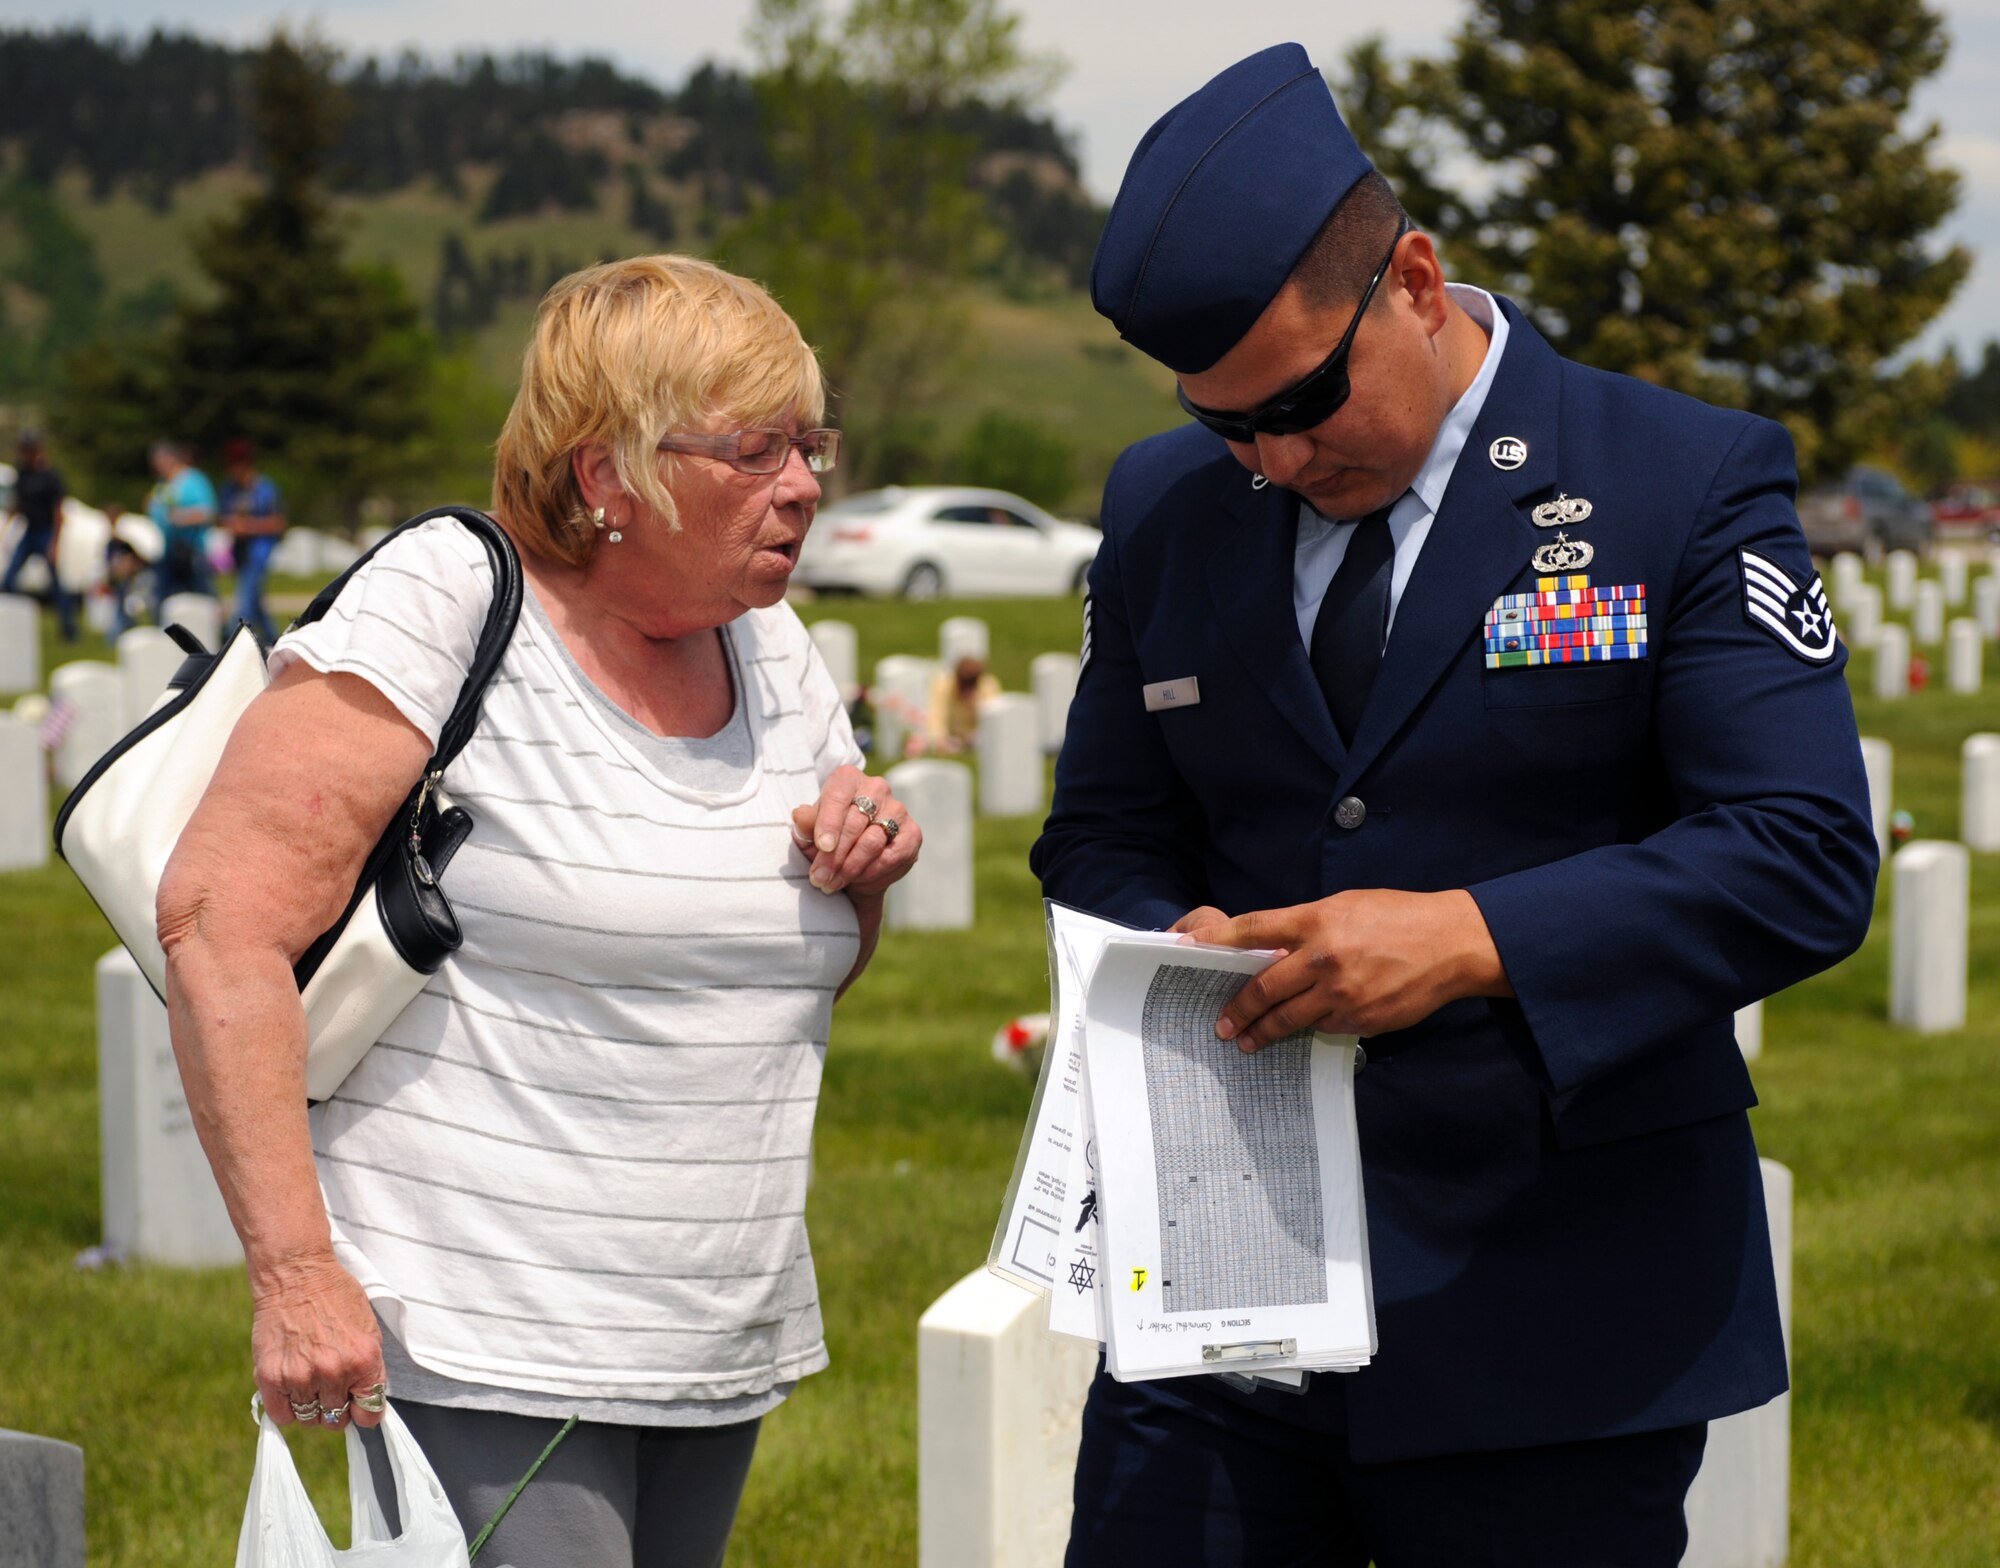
x,y
281,1529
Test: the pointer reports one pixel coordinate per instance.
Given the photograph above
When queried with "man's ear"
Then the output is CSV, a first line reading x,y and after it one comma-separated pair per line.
x,y
596,473
1419,274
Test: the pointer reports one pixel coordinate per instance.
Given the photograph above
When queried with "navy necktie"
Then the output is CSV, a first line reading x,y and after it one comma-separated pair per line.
x,y
1353,621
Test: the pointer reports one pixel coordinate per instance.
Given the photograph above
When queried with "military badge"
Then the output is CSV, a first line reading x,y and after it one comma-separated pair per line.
x,y
1798,617
1565,511
1566,621
1562,555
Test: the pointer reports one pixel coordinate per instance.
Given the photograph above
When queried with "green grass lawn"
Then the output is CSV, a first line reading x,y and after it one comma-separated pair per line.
x,y
1894,1140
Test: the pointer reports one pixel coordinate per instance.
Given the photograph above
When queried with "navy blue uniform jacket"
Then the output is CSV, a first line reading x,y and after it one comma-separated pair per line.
x,y
1566,1223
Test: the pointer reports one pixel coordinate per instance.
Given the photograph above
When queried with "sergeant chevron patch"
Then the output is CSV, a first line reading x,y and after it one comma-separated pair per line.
x,y
1083,658
1799,618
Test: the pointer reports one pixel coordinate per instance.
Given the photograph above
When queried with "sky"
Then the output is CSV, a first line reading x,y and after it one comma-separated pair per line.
x,y
1128,60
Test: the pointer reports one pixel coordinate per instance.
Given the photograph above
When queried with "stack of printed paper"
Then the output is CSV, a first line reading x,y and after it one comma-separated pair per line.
x,y
1194,1207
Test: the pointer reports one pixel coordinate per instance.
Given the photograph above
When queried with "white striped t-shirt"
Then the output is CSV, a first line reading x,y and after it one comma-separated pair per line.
x,y
576,1163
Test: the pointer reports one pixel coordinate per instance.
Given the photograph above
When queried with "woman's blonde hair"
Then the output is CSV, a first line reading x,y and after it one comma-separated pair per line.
x,y
622,354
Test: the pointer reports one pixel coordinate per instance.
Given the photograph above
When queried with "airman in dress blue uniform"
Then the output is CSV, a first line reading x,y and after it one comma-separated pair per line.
x,y
1509,705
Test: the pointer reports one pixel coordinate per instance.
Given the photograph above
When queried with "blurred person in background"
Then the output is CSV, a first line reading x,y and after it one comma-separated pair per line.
x,y
38,499
254,514
956,696
183,504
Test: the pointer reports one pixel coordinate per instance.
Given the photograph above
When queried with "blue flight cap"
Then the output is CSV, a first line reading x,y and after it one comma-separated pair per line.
x,y
1219,202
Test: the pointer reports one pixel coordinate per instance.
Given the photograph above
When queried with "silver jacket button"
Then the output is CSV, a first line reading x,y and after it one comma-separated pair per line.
x,y
1351,812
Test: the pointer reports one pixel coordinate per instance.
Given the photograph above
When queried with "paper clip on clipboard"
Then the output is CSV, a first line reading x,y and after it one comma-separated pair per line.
x,y
1250,1350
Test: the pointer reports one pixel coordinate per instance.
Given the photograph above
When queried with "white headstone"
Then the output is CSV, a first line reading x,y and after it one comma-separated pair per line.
x,y
1053,676
937,894
1861,620
963,637
24,796
1986,605
1739,1506
1951,565
999,1413
147,660
1750,1031
297,554
96,694
1927,940
1964,656
200,613
1902,579
337,554
160,1199
370,537
839,648
1847,570
99,611
20,643
41,1500
1879,758
1979,799
1010,756
1892,662
902,699
1927,614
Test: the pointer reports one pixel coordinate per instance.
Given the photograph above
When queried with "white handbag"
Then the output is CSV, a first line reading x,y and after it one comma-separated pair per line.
x,y
121,822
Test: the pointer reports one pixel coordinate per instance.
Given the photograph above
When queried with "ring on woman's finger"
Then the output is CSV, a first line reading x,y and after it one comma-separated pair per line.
x,y
307,1410
890,826
865,804
334,1416
375,1401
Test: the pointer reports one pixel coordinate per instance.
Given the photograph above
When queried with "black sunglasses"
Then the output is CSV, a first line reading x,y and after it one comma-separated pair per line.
x,y
1305,403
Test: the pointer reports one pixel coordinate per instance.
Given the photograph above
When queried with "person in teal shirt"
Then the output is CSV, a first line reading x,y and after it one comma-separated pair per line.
x,y
183,504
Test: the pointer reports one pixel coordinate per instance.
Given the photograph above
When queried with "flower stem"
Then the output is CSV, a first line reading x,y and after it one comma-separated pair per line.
x,y
479,1540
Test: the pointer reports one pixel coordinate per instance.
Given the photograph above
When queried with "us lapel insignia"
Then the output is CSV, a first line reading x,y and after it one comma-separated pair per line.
x,y
1563,554
1566,621
1508,452
1565,511
1798,617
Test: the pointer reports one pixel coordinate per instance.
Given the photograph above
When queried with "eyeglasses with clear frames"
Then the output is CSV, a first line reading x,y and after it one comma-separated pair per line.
x,y
760,451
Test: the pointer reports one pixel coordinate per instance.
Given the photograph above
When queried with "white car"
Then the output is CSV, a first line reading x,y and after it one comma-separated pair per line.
x,y
930,541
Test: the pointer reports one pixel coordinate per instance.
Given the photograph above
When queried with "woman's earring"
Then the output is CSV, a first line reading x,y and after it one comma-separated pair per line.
x,y
597,517
615,536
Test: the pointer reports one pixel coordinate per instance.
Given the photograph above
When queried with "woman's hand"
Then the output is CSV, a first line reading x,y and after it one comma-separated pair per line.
x,y
316,1347
854,847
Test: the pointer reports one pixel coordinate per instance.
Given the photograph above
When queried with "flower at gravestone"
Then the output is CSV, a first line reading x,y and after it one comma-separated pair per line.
x,y
1022,1041
1902,828
1920,672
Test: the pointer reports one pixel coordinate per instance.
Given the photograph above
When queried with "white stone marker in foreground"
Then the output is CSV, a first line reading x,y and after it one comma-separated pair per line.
x,y
1927,615
999,1409
1986,605
96,691
1750,1031
937,894
20,643
902,701
200,613
1738,1507
1010,756
1951,566
1879,758
1847,570
1964,657
1902,579
160,1200
1979,798
840,650
1053,676
147,660
963,637
41,1502
1929,900
24,796
1860,620
1892,663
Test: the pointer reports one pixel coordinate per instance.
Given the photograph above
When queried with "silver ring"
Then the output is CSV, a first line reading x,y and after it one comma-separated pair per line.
x,y
334,1416
865,804
890,826
304,1409
375,1401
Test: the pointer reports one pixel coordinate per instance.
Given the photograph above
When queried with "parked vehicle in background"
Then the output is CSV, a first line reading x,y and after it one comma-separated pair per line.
x,y
1868,512
934,541
1969,509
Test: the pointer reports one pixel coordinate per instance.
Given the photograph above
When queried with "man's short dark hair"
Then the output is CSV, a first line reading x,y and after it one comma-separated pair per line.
x,y
1350,245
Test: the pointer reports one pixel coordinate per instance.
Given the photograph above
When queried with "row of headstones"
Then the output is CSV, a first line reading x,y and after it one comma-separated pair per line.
x,y
1863,624
1000,1401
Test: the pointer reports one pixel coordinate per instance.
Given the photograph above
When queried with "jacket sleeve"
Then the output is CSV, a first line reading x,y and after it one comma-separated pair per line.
x,y
1766,876
1124,835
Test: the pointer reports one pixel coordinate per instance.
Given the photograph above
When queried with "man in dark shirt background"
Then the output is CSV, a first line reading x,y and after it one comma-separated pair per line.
x,y
38,497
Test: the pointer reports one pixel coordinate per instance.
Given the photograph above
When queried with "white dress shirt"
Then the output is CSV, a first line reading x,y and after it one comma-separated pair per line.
x,y
1322,542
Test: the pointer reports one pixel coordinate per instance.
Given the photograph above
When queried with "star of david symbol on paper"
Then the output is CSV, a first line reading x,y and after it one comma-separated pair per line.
x,y
1081,1275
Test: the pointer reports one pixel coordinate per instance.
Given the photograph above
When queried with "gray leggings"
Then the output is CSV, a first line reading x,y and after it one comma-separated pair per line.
x,y
611,1496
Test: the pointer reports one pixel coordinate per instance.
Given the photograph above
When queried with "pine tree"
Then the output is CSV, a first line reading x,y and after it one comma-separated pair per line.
x,y
1719,195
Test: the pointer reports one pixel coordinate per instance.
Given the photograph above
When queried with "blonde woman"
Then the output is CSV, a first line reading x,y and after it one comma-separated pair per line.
x,y
571,1177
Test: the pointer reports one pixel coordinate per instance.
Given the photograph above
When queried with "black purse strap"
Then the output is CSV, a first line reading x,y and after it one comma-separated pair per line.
x,y
494,636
